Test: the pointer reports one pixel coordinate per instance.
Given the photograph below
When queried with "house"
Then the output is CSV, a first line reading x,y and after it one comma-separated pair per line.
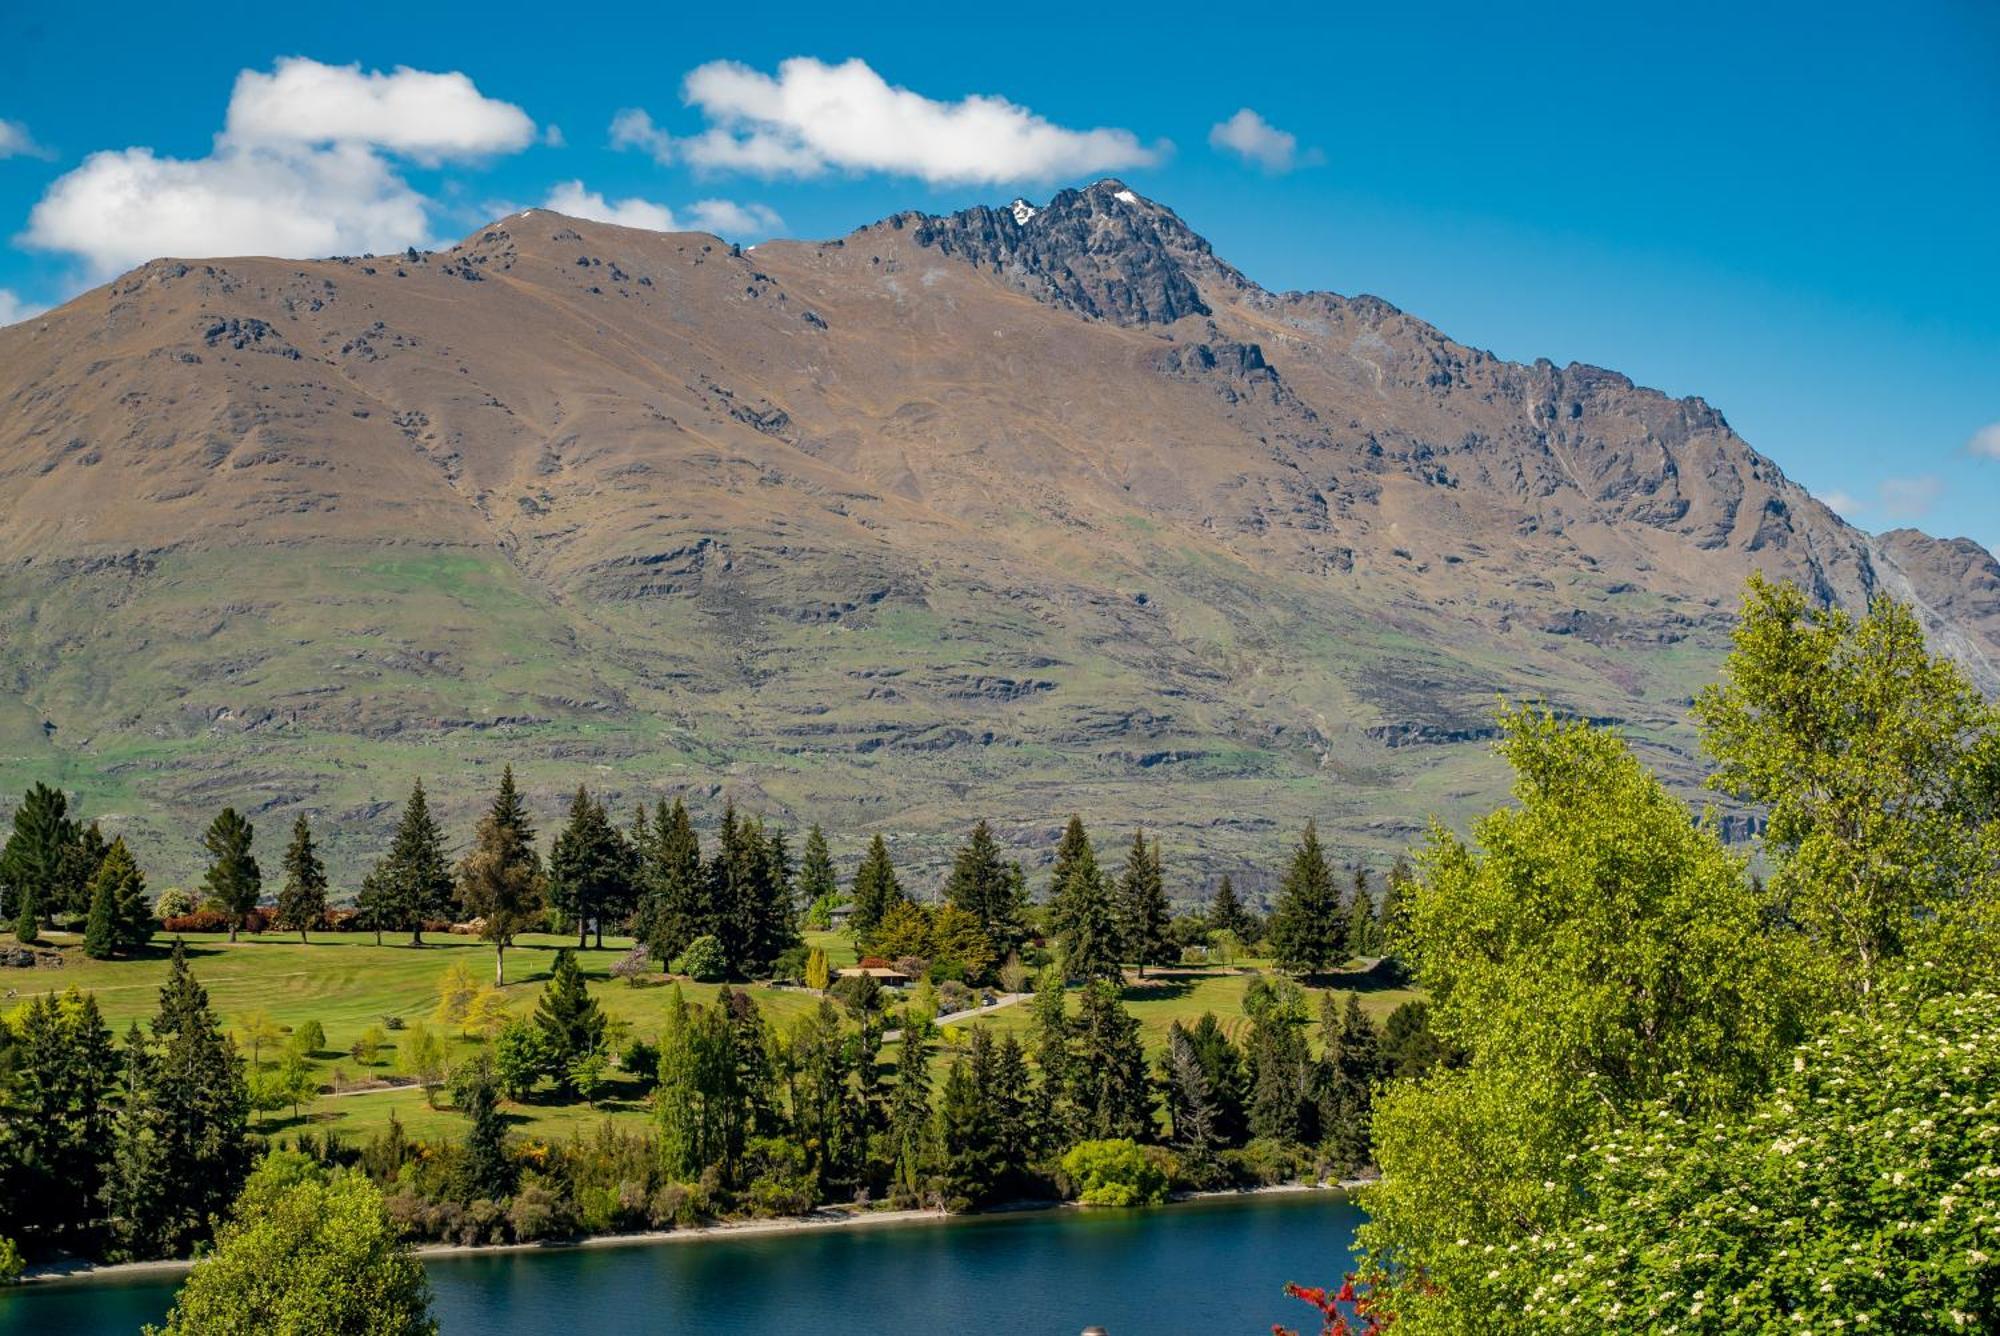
x,y
878,969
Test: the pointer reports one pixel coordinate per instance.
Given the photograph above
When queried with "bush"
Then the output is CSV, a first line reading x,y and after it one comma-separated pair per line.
x,y
669,1206
1114,1173
642,1060
859,993
308,1039
1014,976
791,964
953,996
703,961
537,1213
200,920
173,903
368,1048
392,1022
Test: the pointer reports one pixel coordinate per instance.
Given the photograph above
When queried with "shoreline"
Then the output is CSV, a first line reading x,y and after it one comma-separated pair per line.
x,y
86,1273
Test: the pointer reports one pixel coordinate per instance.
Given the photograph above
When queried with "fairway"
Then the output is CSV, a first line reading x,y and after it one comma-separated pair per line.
x,y
348,984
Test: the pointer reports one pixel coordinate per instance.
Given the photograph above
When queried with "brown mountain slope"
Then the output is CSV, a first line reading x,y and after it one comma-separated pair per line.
x,y
953,517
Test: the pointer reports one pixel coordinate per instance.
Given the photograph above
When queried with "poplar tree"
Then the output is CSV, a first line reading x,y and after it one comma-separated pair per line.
x,y
875,889
302,900
500,880
1308,930
233,878
1142,906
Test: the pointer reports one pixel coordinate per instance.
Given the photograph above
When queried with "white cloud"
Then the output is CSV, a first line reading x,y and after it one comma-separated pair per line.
x,y
571,198
720,216
1257,141
728,218
13,310
303,169
421,115
16,142
812,117
1986,441
1909,498
1845,504
633,128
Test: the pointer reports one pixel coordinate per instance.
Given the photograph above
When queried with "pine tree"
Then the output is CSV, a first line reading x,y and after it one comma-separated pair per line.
x,y
1281,1069
302,900
875,889
1349,1069
233,878
500,880
205,1105
771,906
1143,913
1396,888
32,863
1226,912
134,907
488,1170
138,1191
1307,927
966,1134
374,903
985,887
1193,1111
1085,920
1361,931
910,1116
66,1073
816,876
591,869
1074,845
672,908
415,875
1052,1031
1109,1080
100,934
80,862
571,1022
1015,1138
1222,1067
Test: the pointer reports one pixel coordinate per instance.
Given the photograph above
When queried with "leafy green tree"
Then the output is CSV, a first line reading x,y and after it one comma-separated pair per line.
x,y
302,900
570,1019
1878,764
1308,930
34,861
876,889
233,879
413,880
1597,949
520,1058
1114,1172
988,889
591,869
500,879
307,1251
672,904
1143,913
1858,1194
703,961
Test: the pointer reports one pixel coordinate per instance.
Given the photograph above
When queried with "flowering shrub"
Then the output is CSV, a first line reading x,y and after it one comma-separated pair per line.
x,y
1862,1193
1114,1173
1350,1310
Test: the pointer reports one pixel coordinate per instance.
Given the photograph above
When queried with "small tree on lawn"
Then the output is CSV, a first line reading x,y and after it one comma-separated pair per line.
x,y
233,878
571,1022
500,882
302,901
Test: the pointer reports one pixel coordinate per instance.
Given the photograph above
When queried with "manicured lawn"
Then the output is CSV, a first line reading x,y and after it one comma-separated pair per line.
x,y
348,984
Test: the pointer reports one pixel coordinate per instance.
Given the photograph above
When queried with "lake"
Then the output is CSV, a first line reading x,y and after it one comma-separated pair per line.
x,y
1211,1266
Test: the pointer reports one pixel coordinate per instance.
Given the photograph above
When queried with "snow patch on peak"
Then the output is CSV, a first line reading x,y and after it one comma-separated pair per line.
x,y
1127,196
1023,211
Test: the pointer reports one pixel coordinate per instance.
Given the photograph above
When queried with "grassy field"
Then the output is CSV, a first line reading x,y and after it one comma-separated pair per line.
x,y
348,984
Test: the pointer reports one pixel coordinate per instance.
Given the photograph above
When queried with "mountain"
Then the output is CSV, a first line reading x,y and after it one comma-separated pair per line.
x,y
1009,513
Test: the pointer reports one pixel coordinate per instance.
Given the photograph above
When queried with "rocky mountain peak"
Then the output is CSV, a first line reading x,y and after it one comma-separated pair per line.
x,y
1103,251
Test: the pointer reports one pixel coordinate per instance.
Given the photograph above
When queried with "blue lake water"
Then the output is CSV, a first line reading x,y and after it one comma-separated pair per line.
x,y
1211,1266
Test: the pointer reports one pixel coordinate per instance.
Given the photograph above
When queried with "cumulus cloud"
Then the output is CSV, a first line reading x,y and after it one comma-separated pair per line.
x,y
720,216
571,198
13,310
16,142
1909,498
415,113
303,167
1985,442
1257,141
1842,503
812,117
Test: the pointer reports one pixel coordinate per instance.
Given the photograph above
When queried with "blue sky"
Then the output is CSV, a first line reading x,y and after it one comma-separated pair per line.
x,y
1792,210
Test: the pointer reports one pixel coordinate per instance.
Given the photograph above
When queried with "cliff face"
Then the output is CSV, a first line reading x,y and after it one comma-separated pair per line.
x,y
1010,513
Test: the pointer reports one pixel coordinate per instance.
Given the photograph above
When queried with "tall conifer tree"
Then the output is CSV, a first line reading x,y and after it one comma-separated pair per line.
x,y
500,879
416,880
302,899
1308,929
875,889
1142,906
233,877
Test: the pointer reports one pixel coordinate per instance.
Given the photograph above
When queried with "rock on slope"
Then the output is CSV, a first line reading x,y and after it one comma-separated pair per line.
x,y
1008,513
